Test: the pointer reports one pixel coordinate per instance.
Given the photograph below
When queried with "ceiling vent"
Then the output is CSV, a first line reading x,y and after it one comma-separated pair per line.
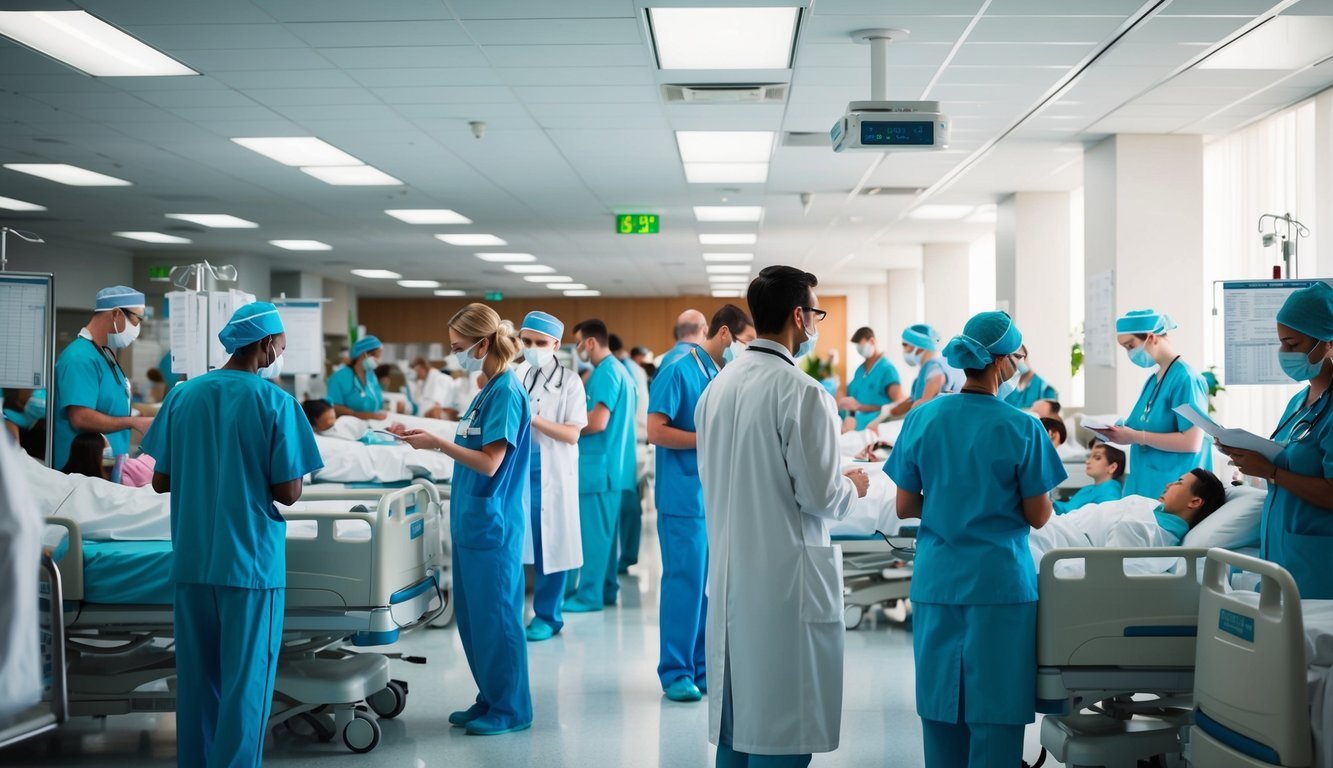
x,y
726,93
806,139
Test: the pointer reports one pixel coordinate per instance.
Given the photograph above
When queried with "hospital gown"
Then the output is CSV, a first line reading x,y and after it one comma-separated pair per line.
x,y
1134,521
1110,490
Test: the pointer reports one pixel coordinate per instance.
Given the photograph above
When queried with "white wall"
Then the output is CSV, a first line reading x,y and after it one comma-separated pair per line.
x,y
343,300
1032,256
946,270
1323,160
906,290
80,271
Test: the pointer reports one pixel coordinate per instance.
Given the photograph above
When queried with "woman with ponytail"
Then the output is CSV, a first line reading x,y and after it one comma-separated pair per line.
x,y
490,501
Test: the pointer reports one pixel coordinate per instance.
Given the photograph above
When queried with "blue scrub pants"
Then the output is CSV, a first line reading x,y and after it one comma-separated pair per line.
x,y
227,643
598,513
730,758
631,529
972,745
548,590
683,607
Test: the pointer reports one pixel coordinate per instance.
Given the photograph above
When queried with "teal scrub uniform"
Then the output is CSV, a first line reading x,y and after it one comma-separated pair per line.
x,y
631,505
1150,469
225,439
681,349
870,387
486,524
929,369
681,529
1111,490
347,390
974,458
607,469
89,376
1037,389
1296,534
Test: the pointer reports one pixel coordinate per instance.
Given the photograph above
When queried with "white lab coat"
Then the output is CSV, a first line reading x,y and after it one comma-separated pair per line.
x,y
1127,522
436,389
20,553
768,460
561,399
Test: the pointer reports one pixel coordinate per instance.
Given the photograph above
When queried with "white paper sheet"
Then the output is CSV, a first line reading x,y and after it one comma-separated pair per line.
x,y
303,322
1232,438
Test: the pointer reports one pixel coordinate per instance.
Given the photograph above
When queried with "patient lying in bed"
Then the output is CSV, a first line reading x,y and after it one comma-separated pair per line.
x,y
354,453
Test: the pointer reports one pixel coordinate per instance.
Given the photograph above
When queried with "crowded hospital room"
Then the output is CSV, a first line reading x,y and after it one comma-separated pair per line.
x,y
583,383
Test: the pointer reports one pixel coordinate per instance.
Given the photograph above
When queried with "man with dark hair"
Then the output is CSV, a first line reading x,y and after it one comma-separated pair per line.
x,y
874,384
1105,465
1056,430
768,463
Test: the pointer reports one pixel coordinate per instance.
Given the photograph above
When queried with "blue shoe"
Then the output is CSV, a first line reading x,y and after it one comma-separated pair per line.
x,y
463,717
683,689
488,726
574,605
702,684
539,630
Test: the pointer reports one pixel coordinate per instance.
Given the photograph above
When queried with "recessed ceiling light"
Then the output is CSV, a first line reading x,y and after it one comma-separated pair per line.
x,y
582,293
728,239
419,283
151,237
723,38
728,212
940,212
10,204
725,146
728,279
728,257
304,245
728,269
352,176
450,292
473,240
726,173
530,269
549,279
376,274
298,151
88,44
429,216
566,286
215,220
984,214
506,258
68,174
726,294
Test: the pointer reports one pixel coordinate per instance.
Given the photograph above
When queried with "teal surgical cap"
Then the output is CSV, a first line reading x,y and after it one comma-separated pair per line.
x,y
1145,321
922,336
249,324
364,345
1310,311
547,325
118,296
985,337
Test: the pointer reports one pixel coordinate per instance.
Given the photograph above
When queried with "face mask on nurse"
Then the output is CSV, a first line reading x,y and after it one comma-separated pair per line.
x,y
912,358
1298,365
1008,386
865,349
537,357
467,362
123,338
811,336
274,369
1139,355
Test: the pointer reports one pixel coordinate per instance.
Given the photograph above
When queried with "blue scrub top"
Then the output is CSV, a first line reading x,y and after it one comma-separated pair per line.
x,y
170,377
674,354
675,393
490,512
347,390
606,459
1296,534
869,388
89,377
929,369
1037,389
1150,469
1111,490
974,458
226,438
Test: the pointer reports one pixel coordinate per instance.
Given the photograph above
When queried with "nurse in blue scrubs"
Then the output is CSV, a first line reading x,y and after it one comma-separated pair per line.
x,y
1031,387
1297,527
1163,445
874,385
228,445
490,507
921,345
977,472
354,390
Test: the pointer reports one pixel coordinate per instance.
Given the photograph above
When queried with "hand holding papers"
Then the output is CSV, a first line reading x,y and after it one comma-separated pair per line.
x,y
1231,438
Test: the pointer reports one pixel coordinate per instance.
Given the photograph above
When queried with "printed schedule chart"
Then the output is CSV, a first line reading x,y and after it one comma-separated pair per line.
x,y
25,309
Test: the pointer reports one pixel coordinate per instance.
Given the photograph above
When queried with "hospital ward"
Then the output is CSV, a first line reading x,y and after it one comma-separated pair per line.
x,y
666,383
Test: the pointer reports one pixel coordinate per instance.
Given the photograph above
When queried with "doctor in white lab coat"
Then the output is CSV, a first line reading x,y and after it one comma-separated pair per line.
x,y
553,542
20,550
429,390
768,461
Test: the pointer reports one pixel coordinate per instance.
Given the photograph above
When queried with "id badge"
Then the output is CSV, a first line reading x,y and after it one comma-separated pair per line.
x,y
463,427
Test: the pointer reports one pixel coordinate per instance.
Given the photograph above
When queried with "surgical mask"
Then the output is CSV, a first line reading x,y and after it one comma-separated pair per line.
x,y
370,364
865,350
538,358
1140,357
467,362
1010,385
808,346
122,339
913,359
1023,368
733,349
272,370
582,354
1297,365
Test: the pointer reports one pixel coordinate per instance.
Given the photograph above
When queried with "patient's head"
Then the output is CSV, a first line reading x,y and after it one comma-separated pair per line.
x,y
85,455
1046,409
320,413
1194,496
1055,429
1105,462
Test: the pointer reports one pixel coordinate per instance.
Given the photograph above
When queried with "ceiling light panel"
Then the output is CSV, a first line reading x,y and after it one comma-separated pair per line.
x,y
419,283
472,240
567,286
723,38
728,239
728,279
152,237
728,269
726,294
582,293
429,216
940,212
88,44
67,174
298,151
728,213
10,204
352,176
728,257
726,173
725,146
304,245
506,258
530,269
549,279
214,220
450,292
376,274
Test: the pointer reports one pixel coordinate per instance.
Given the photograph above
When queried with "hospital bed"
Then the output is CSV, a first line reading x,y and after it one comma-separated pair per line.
x,y
872,574
47,714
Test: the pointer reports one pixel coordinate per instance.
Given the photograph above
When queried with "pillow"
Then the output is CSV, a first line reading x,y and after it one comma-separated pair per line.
x,y
1235,524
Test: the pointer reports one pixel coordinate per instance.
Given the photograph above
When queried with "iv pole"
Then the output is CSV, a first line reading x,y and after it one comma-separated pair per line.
x,y
29,237
1293,231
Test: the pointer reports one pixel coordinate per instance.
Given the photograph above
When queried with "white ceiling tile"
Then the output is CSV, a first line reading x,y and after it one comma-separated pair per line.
x,y
1022,54
1136,54
555,31
576,76
1310,8
104,100
1248,8
463,111
502,56
851,55
1063,7
974,75
365,34
298,78
1064,29
602,94
600,110
405,57
354,10
402,78
250,60
21,61
1186,29
290,97
135,12
202,37
303,113
822,28
207,114
628,122
209,98
906,7
541,9
482,94
67,83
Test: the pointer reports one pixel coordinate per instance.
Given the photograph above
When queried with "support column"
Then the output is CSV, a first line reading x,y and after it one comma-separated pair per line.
x,y
905,293
1317,261
1031,275
947,276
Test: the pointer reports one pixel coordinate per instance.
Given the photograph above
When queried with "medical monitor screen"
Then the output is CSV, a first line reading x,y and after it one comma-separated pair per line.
x,y
915,133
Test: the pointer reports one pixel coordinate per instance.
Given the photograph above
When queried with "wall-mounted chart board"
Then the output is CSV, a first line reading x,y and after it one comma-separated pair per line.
x,y
1249,328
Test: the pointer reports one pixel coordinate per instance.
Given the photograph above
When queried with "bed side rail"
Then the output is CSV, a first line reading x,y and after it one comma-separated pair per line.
x,y
71,564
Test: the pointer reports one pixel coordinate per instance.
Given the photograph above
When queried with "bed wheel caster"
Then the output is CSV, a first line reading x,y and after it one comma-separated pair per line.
x,y
389,702
852,616
362,733
446,617
320,726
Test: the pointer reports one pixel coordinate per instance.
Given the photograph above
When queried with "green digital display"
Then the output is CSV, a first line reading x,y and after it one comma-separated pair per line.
x,y
494,296
637,223
159,272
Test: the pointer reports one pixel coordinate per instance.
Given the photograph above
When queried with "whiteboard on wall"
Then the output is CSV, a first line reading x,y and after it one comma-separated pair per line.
x,y
27,309
303,322
1249,329
1099,320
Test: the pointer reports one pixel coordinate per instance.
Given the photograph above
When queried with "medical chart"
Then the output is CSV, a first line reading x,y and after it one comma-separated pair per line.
x,y
25,309
188,313
1099,322
1249,334
1232,438
303,322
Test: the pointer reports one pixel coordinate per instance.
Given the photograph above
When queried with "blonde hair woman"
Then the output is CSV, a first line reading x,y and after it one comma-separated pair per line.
x,y
489,509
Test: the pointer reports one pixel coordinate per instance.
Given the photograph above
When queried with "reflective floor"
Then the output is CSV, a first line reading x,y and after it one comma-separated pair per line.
x,y
596,696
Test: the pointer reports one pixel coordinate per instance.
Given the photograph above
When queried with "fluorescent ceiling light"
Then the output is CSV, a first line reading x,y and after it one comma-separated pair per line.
x,y
88,44
151,237
728,212
352,176
10,204
215,220
304,245
376,274
1284,43
549,279
728,269
581,293
506,258
724,146
728,239
726,294
450,292
728,257
474,240
298,151
728,279
68,174
984,214
567,286
530,269
726,173
723,38
419,283
940,212
429,216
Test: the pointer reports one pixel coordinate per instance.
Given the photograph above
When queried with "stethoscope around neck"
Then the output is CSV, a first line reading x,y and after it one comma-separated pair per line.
x,y
537,377
1302,428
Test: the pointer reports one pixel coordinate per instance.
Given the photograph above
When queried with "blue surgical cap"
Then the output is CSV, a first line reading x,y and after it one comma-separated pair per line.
x,y
1310,311
118,296
1145,321
249,324
547,325
922,336
985,337
365,344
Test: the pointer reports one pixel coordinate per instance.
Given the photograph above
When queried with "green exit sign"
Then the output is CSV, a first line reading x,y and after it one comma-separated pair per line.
x,y
637,223
494,296
159,272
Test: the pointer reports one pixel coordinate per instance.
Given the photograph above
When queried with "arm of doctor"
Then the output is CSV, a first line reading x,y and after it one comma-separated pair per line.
x,y
811,453
565,433
88,420
661,433
486,461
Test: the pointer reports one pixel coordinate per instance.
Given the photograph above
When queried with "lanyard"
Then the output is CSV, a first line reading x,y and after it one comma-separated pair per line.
x,y
1147,409
481,399
109,358
774,353
702,367
1308,423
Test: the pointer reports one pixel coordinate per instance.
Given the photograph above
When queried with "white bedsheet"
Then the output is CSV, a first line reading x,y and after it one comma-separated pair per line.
x,y
346,461
876,511
1127,522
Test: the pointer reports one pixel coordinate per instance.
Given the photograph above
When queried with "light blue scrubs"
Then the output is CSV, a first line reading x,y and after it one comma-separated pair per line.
x,y
929,369
681,529
869,388
225,439
486,524
347,390
672,355
974,459
631,506
1150,469
90,377
607,469
1111,490
1037,389
1296,534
